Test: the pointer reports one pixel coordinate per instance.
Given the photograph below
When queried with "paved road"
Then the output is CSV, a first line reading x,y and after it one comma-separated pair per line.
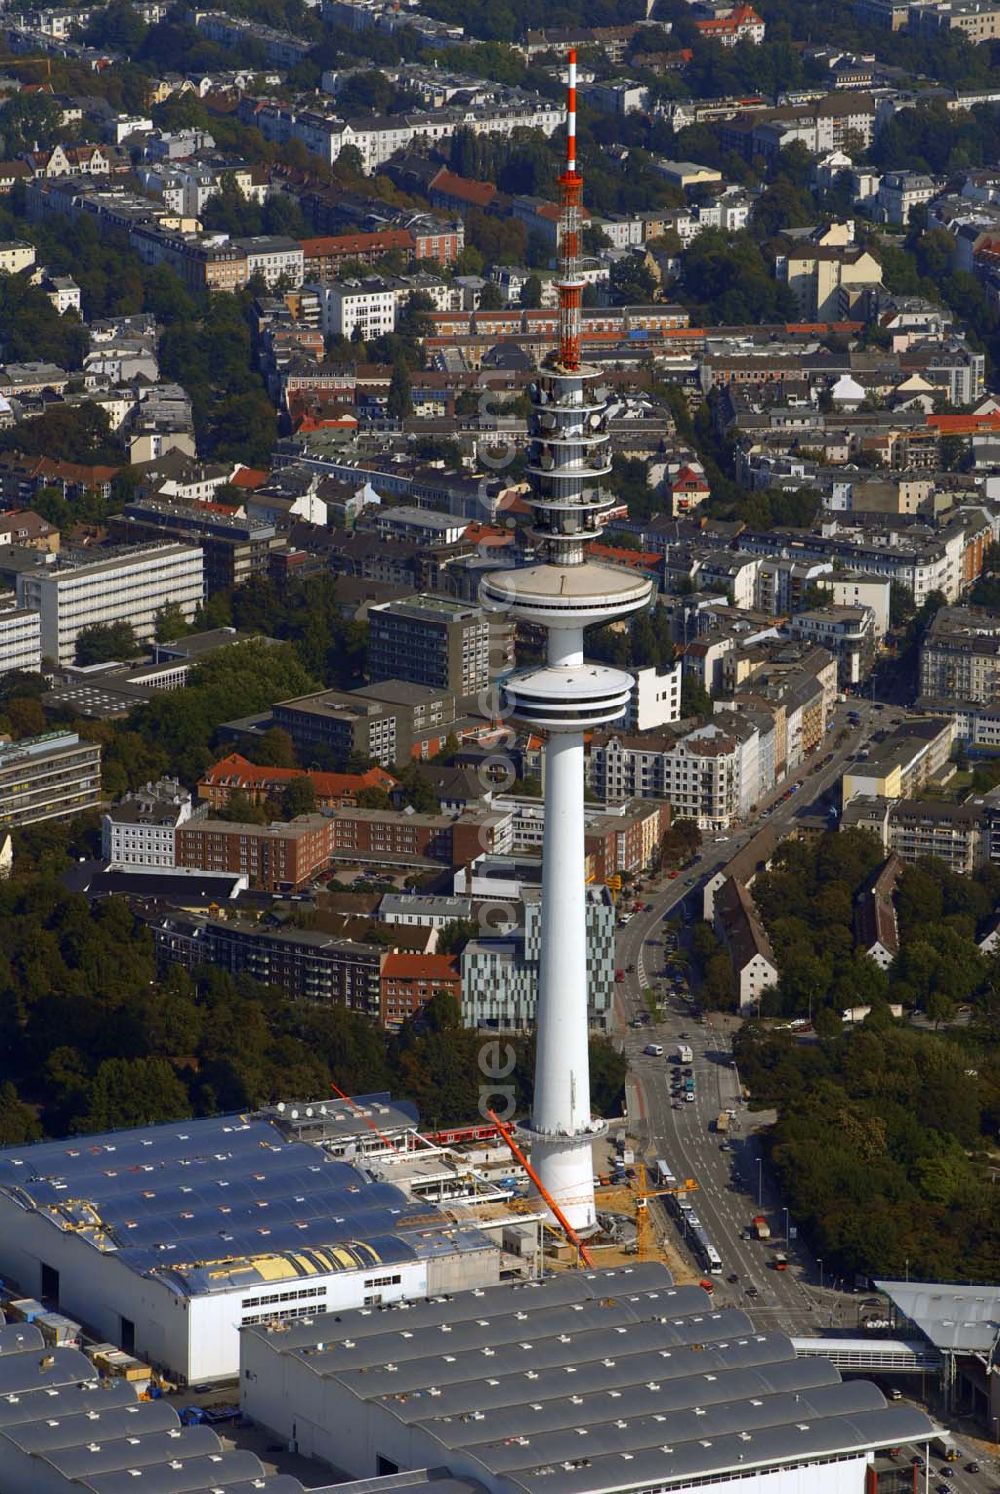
x,y
730,1182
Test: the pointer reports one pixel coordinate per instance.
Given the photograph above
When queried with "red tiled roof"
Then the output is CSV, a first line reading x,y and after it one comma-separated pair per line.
x,y
476,194
357,243
964,425
238,772
249,477
421,967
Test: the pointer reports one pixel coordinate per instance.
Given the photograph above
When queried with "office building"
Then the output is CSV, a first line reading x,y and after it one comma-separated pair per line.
x,y
500,974
235,548
437,642
389,722
130,585
48,778
20,639
960,656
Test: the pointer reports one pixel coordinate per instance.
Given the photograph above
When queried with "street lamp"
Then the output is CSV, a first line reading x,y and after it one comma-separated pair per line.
x,y
760,1182
907,1268
785,1212
820,1265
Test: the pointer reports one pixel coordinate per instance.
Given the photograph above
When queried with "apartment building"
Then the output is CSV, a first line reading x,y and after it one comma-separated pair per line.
x,y
956,834
141,829
876,929
50,777
408,981
130,585
899,193
274,858
900,766
16,255
437,642
655,700
738,925
818,274
304,964
848,633
274,257
960,656
698,775
356,308
20,639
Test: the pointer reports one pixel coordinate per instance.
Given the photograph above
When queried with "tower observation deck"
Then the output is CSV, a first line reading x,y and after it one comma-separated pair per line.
x,y
567,458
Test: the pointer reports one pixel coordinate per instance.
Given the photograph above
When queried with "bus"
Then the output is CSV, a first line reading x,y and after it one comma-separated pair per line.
x,y
705,1252
664,1177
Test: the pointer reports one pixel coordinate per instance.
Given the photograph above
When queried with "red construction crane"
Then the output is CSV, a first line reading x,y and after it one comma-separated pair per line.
x,y
557,1213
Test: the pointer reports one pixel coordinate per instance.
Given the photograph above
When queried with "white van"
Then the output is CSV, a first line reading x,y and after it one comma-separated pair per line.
x,y
653,1050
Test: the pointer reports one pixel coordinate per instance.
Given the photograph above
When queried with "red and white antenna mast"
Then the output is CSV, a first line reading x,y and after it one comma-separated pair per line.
x,y
569,283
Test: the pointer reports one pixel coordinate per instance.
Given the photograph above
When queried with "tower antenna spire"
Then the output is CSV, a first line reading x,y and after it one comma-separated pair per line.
x,y
570,283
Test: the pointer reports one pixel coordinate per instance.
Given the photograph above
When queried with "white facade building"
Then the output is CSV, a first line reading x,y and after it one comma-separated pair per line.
x,y
20,639
655,699
130,587
140,831
367,307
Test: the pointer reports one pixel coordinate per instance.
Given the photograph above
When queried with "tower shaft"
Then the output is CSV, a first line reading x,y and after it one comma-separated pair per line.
x,y
565,593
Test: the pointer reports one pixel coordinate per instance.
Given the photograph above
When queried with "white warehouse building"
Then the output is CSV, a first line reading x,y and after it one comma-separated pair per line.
x,y
599,1382
167,1239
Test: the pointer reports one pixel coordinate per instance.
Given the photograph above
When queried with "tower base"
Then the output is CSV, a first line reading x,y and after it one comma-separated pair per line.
x,y
565,1165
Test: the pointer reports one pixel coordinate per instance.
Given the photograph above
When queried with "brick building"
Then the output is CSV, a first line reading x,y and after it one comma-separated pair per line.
x,y
276,858
409,981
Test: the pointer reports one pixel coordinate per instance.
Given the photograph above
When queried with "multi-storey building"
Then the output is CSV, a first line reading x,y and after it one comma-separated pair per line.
x,y
129,585
389,722
963,836
738,925
20,639
699,775
500,975
304,964
141,829
409,981
48,778
234,548
275,858
393,838
236,774
655,700
275,257
437,642
960,656
847,632
357,308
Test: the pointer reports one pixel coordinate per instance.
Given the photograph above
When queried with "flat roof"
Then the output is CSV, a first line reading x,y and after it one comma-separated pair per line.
x,y
599,1380
962,1318
225,1202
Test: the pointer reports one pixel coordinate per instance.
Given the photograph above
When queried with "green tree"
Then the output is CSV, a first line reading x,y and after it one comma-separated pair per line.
x,y
133,1092
491,297
695,699
99,643
399,403
170,623
531,292
298,797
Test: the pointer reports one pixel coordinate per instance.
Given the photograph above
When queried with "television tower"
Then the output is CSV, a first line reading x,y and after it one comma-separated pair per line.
x,y
565,593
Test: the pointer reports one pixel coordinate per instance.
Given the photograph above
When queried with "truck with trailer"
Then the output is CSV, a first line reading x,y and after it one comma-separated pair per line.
x,y
761,1228
684,1054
